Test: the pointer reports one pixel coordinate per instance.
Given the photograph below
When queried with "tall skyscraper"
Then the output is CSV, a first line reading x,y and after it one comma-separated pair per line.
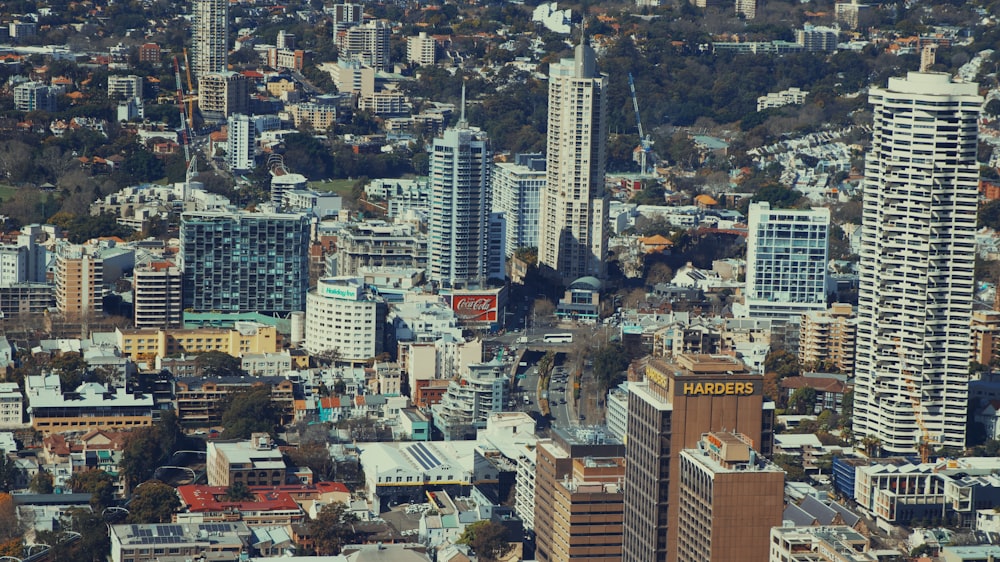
x,y
669,411
517,187
245,262
461,167
573,238
786,261
917,261
210,44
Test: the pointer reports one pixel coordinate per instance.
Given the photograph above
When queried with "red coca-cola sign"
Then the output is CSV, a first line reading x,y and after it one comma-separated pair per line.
x,y
475,308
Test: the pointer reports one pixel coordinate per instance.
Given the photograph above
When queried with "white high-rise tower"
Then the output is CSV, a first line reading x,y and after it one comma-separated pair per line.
x,y
210,42
917,261
460,171
573,237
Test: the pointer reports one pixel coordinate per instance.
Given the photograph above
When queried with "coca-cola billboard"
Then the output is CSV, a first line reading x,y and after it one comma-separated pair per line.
x,y
475,308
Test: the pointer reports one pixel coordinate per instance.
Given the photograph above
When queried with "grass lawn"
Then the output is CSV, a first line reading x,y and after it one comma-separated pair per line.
x,y
6,192
341,187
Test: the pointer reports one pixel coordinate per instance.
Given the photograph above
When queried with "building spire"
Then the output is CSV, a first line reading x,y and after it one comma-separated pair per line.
x,y
462,123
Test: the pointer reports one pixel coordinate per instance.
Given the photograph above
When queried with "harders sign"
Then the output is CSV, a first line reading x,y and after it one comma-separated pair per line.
x,y
475,308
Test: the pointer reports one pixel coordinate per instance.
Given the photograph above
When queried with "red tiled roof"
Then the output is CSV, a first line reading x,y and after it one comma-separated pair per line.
x,y
199,498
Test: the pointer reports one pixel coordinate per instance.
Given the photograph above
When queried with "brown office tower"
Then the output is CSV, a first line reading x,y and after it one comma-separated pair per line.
x,y
668,412
729,498
579,497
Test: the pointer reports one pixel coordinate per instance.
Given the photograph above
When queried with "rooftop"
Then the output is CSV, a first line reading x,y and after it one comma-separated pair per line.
x,y
211,535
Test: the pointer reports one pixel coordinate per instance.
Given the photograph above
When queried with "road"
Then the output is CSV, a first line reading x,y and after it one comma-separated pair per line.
x,y
307,86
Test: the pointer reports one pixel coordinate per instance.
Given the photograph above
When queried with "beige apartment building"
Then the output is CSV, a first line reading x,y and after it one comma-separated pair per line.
x,y
826,339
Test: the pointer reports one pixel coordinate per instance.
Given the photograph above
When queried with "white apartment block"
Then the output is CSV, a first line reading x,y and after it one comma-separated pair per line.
x,y
917,260
786,261
367,43
34,96
791,96
266,364
421,49
240,143
11,405
460,167
124,87
817,38
853,14
387,102
517,188
834,543
156,295
209,44
381,245
13,265
573,236
341,315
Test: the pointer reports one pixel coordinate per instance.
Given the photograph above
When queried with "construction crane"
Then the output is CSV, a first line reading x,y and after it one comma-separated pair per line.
x,y
191,96
185,130
646,143
924,446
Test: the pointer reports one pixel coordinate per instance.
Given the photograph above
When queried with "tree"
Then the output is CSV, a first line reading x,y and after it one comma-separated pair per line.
x,y
609,363
99,484
803,400
779,196
782,362
992,108
87,227
332,529
316,456
487,539
153,502
543,312
9,473
42,482
238,492
11,529
93,544
659,272
989,215
792,465
146,448
71,368
249,411
218,364
872,445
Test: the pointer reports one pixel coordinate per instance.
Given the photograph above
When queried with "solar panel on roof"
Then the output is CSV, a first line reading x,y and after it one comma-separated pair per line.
x,y
423,456
428,456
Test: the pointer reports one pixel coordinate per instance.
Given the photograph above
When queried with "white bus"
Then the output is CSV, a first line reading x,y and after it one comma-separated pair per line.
x,y
558,338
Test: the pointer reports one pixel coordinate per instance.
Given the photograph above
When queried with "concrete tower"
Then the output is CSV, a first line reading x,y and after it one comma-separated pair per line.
x,y
917,261
210,42
461,168
573,238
